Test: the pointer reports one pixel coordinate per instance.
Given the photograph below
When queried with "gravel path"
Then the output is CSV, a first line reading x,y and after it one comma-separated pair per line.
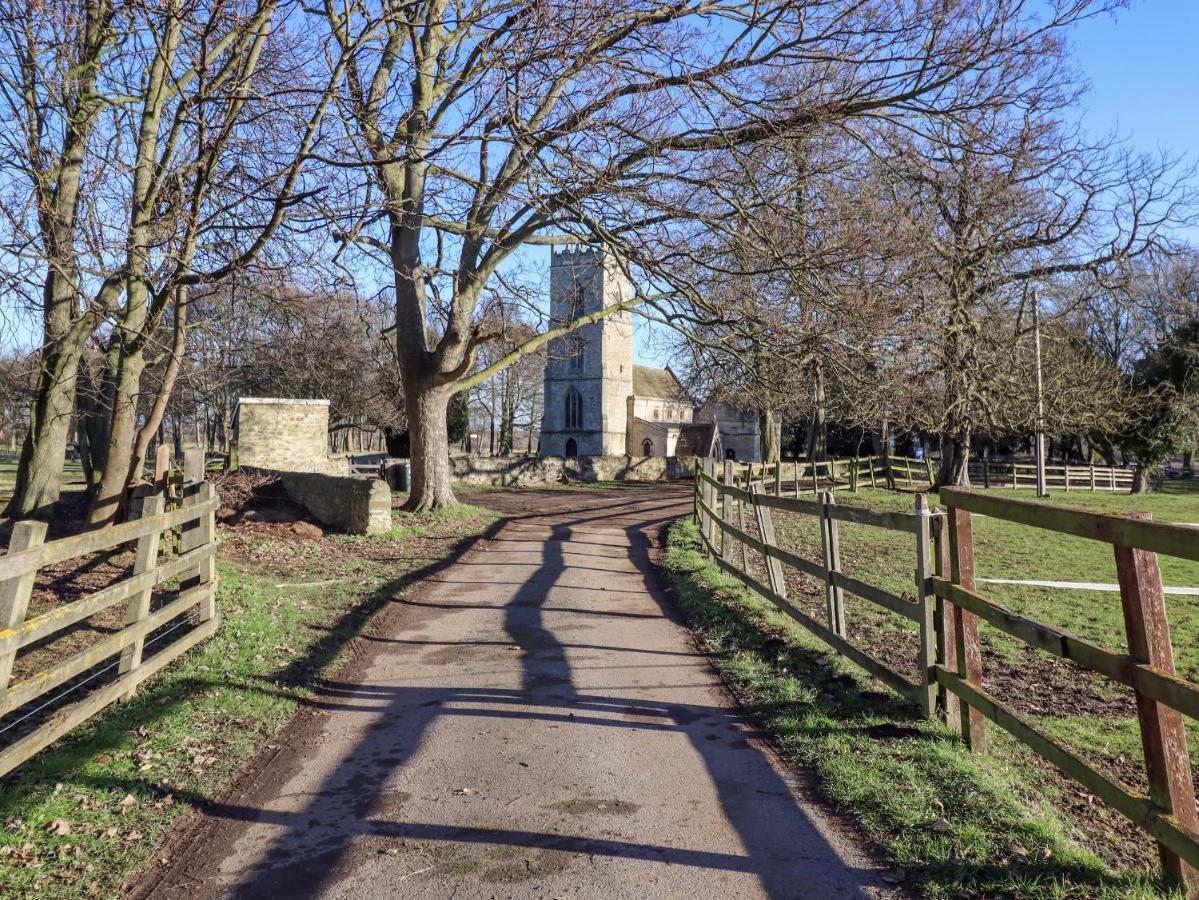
x,y
532,723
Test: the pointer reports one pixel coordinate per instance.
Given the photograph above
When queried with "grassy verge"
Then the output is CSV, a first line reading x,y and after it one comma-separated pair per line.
x,y
83,816
960,826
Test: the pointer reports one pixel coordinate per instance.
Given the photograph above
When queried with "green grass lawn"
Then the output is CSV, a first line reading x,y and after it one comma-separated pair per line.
x,y
72,473
1089,714
83,816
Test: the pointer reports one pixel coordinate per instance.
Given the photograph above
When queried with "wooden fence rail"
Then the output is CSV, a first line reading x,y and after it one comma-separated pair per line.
x,y
990,474
721,538
947,610
187,581
1168,813
798,477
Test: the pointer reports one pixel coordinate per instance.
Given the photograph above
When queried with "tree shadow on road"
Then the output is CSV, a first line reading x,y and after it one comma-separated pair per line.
x,y
309,849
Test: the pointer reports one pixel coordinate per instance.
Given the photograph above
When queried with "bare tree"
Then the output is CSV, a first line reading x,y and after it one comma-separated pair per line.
x,y
1002,202
157,155
474,129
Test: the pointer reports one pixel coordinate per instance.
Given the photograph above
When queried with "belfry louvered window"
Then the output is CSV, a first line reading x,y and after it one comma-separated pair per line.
x,y
574,408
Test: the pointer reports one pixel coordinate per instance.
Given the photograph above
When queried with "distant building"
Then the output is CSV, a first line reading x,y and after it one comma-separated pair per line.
x,y
597,402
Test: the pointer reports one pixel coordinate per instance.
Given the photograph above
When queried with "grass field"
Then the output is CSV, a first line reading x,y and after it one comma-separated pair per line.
x,y
1094,717
84,815
72,474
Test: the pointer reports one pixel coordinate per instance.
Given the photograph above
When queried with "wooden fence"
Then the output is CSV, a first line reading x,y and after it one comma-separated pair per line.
x,y
989,474
187,581
720,506
799,477
946,610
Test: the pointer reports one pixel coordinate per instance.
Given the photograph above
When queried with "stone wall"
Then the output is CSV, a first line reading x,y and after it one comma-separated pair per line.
x,y
521,470
284,434
344,503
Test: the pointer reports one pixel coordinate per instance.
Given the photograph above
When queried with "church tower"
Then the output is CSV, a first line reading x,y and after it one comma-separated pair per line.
x,y
589,372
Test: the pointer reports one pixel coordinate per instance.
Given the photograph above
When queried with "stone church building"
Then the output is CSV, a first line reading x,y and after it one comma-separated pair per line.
x,y
598,403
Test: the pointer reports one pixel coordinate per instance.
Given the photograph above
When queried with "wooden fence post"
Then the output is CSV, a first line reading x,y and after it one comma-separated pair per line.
x,y
162,470
774,568
926,653
1163,738
853,476
873,480
726,539
138,605
986,472
947,652
907,461
796,473
965,624
15,593
1092,476
928,467
1066,476
707,491
197,533
830,539
778,478
741,527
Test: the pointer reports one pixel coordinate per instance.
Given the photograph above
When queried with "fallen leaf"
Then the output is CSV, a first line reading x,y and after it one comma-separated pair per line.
x,y
59,826
940,825
129,800
894,876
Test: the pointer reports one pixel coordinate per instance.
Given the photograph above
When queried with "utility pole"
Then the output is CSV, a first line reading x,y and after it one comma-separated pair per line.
x,y
1039,442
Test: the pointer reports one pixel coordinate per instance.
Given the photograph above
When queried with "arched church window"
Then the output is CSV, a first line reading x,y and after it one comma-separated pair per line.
x,y
574,408
572,448
647,447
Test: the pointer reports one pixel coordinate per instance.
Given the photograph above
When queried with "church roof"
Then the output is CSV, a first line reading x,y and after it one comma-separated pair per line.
x,y
660,383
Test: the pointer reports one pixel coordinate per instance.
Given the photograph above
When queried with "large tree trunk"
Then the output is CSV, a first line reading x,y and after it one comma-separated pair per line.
x,y
93,399
955,460
44,451
109,502
818,426
1140,480
768,424
431,485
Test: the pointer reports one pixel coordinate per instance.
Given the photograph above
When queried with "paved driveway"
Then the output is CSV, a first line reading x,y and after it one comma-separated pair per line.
x,y
532,723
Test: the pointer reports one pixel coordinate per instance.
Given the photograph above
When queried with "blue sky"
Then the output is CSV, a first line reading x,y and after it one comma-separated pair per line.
x,y
1144,72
